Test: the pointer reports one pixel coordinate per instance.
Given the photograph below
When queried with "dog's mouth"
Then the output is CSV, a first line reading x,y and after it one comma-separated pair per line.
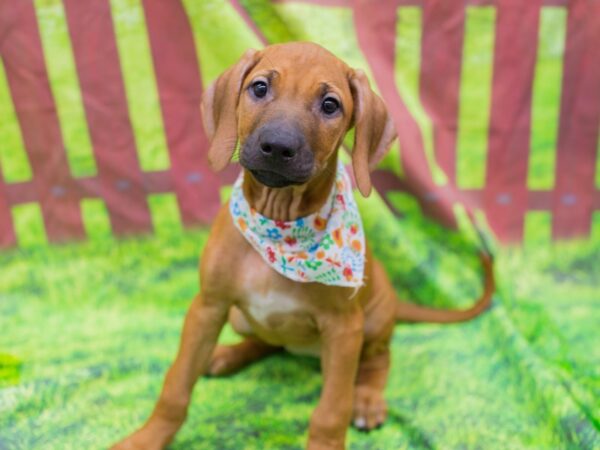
x,y
271,167
274,179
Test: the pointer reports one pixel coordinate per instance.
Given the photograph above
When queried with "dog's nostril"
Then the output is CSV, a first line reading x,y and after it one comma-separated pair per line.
x,y
277,150
288,153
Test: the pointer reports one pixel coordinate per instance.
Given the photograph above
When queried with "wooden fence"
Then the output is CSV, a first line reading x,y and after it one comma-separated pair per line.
x,y
124,187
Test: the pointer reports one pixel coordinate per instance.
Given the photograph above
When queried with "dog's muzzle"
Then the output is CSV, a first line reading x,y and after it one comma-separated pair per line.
x,y
277,155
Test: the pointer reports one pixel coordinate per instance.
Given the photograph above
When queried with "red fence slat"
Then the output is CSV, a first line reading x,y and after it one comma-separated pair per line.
x,y
7,231
579,119
97,61
180,90
376,31
505,195
36,111
441,61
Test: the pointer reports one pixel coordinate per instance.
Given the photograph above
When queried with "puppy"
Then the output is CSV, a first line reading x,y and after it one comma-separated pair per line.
x,y
286,261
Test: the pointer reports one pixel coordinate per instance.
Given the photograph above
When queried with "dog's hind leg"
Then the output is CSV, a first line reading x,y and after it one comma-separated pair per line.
x,y
228,359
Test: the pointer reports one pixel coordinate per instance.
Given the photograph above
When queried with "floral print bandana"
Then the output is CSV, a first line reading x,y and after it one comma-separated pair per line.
x,y
325,247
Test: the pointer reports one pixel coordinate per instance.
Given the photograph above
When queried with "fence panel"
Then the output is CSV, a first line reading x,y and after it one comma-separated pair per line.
x,y
574,192
376,31
36,111
443,33
124,188
505,193
97,61
180,89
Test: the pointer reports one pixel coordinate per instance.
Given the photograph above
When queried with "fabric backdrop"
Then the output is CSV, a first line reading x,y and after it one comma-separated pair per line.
x,y
497,106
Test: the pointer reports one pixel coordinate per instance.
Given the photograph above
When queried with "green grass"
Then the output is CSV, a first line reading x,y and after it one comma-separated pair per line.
x,y
545,108
13,158
89,330
29,225
475,97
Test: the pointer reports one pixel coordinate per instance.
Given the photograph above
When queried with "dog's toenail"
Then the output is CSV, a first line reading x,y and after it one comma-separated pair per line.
x,y
360,422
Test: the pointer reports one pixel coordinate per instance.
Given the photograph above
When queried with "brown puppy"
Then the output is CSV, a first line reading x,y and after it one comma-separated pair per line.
x,y
289,106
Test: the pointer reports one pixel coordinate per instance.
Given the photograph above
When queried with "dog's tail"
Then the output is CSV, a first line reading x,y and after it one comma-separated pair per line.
x,y
409,312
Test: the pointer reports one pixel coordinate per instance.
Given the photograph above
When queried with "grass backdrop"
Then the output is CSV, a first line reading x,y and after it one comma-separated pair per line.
x,y
88,331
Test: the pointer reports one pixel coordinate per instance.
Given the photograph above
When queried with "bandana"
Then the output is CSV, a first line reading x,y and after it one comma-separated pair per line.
x,y
325,247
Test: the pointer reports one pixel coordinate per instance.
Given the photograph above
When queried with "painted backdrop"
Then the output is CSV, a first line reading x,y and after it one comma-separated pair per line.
x,y
497,105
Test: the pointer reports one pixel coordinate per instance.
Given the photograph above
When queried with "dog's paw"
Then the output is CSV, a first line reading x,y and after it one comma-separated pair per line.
x,y
370,409
126,444
140,440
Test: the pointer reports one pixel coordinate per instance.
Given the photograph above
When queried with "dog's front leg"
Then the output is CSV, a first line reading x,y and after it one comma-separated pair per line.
x,y
341,342
203,323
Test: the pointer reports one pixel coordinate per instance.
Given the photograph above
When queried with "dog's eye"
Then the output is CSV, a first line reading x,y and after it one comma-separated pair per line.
x,y
330,105
259,89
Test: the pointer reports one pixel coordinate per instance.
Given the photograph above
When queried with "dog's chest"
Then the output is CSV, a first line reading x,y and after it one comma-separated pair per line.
x,y
276,308
271,303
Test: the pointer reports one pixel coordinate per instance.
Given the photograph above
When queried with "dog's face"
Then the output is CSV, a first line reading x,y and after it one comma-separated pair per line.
x,y
290,106
293,112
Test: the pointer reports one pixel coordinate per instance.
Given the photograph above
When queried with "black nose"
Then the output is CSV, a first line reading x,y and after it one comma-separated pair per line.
x,y
277,149
280,143
277,154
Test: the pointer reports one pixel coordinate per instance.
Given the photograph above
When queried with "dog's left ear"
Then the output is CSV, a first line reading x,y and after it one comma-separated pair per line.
x,y
374,130
219,110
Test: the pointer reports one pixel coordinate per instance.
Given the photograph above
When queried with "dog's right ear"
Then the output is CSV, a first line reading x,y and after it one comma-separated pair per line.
x,y
374,130
219,110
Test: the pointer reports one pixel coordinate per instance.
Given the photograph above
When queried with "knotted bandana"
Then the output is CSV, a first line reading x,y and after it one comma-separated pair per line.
x,y
326,247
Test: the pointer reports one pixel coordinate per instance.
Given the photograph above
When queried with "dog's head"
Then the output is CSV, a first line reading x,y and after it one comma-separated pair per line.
x,y
290,106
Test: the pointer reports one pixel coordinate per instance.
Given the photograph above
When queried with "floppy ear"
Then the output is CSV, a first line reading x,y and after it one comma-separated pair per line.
x,y
219,105
374,130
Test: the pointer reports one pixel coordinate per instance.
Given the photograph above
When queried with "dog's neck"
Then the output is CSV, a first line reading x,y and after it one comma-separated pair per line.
x,y
293,202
